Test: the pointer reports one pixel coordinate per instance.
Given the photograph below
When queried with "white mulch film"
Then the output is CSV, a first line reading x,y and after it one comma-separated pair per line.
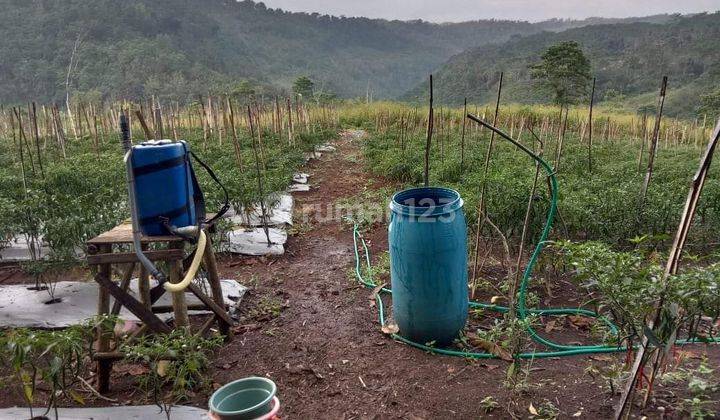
x,y
279,209
248,235
325,148
253,241
300,178
138,412
23,308
299,188
17,249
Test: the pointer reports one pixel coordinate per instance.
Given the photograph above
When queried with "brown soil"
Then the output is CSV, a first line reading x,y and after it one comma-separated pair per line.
x,y
330,360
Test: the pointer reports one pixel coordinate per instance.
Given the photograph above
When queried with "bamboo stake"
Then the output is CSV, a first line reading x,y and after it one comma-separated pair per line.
x,y
671,268
654,144
590,126
428,142
95,139
462,138
481,204
259,178
20,152
36,134
291,133
643,140
516,278
259,137
561,137
236,143
159,132
145,128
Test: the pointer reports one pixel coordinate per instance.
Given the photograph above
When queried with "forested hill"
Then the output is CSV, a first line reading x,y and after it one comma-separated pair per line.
x,y
181,48
628,59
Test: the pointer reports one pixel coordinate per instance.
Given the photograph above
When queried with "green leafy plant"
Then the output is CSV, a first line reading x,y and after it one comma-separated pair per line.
x,y
177,364
489,404
56,359
628,283
700,384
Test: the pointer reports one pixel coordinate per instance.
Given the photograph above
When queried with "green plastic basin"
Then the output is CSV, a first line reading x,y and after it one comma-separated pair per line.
x,y
244,399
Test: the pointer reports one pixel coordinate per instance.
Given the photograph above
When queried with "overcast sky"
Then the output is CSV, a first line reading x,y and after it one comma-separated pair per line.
x,y
462,10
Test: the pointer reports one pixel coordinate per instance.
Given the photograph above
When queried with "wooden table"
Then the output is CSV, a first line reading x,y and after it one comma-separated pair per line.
x,y
168,249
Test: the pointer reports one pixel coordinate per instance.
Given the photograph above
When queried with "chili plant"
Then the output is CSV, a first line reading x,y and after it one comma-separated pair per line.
x,y
56,359
628,284
177,364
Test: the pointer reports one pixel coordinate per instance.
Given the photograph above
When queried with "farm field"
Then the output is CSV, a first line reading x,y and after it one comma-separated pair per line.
x,y
309,325
359,210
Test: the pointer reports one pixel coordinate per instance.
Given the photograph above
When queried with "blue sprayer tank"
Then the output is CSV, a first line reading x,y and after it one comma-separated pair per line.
x,y
164,187
428,264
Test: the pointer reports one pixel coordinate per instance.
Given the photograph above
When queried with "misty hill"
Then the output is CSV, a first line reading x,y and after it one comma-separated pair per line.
x,y
182,48
629,60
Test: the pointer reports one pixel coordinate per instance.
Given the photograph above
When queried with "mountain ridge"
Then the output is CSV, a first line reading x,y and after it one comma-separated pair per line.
x,y
629,60
178,49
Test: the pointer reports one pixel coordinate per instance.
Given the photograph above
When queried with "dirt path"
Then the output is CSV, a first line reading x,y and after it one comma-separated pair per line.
x,y
326,352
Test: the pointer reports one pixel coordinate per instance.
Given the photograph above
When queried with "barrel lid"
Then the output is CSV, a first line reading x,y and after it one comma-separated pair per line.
x,y
426,202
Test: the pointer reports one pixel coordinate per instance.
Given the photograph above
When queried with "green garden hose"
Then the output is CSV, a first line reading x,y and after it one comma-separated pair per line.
x,y
523,312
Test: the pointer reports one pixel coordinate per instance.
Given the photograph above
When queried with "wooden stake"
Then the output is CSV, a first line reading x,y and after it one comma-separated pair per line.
x,y
590,126
259,178
521,248
481,204
643,140
37,140
671,268
428,142
145,128
462,138
236,143
20,152
654,144
561,137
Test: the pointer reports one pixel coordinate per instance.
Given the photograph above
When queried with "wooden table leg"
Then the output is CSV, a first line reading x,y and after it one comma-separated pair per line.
x,y
215,286
103,367
135,307
178,298
124,284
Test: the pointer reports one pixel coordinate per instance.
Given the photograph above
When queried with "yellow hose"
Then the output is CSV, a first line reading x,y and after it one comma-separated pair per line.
x,y
179,287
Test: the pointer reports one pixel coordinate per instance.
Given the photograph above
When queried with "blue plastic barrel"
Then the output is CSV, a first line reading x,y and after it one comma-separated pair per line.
x,y
428,264
163,186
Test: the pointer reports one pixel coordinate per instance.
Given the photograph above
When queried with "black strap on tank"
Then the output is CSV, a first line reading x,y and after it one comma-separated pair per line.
x,y
159,166
168,215
199,200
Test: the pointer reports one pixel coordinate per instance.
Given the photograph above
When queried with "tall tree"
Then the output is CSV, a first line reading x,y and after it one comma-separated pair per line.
x,y
243,89
304,86
563,71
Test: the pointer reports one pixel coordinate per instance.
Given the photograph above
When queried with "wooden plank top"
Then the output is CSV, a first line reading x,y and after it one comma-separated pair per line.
x,y
122,234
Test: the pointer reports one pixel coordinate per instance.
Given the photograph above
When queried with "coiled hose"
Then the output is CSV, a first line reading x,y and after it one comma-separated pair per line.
x,y
558,349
